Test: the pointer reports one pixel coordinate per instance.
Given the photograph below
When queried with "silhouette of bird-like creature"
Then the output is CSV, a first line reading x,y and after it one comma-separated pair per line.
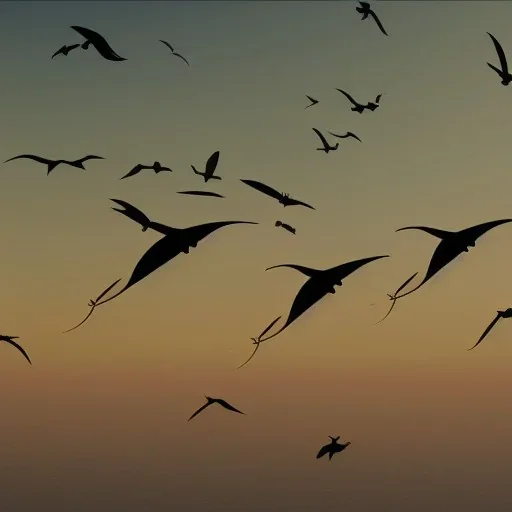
x,y
319,284
507,313
211,165
175,53
256,341
313,101
346,135
393,297
285,226
157,167
99,42
10,341
356,107
366,10
452,244
503,73
64,50
205,193
220,401
332,448
283,199
327,147
51,164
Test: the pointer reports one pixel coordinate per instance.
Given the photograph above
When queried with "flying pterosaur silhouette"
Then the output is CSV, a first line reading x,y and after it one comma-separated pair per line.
x,y
319,284
452,244
200,193
327,147
211,165
283,199
366,10
507,313
92,305
64,50
346,135
99,42
79,164
356,107
313,101
285,226
174,242
503,73
332,448
220,401
173,52
393,297
256,341
9,339
157,167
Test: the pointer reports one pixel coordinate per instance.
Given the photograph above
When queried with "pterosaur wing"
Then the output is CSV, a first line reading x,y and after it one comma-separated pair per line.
x,y
501,54
265,189
487,330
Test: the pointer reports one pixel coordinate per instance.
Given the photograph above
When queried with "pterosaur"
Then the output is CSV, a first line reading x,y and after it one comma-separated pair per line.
x,y
256,341
210,401
200,193
356,107
319,284
327,147
504,74
99,42
501,314
283,199
79,164
174,242
173,52
9,339
157,167
452,244
313,101
374,105
92,305
285,226
346,135
211,165
332,448
64,50
393,296
366,10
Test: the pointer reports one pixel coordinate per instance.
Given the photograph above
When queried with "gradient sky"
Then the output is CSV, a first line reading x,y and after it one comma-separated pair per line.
x,y
99,421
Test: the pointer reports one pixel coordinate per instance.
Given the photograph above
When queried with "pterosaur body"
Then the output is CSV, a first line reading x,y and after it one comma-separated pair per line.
x,y
10,341
210,401
211,165
64,50
51,164
319,284
285,226
200,193
256,341
503,73
332,448
327,147
99,42
356,107
283,199
175,241
157,167
393,297
313,101
507,313
365,9
176,54
346,136
452,244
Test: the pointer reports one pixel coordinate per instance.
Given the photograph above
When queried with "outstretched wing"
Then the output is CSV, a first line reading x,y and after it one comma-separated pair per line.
x,y
379,24
393,298
347,95
307,271
211,164
323,451
89,157
265,189
501,53
200,409
181,57
321,137
486,332
200,193
132,213
99,42
269,327
228,406
342,271
39,159
475,232
135,170
19,347
295,202
167,44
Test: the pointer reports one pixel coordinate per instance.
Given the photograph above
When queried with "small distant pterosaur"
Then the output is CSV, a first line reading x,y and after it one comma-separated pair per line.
x,y
504,74
92,305
327,147
393,297
452,244
313,101
285,226
64,50
173,52
211,165
283,199
79,164
356,107
200,193
346,135
332,448
319,284
157,167
366,10
9,339
256,341
501,314
220,401
99,42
